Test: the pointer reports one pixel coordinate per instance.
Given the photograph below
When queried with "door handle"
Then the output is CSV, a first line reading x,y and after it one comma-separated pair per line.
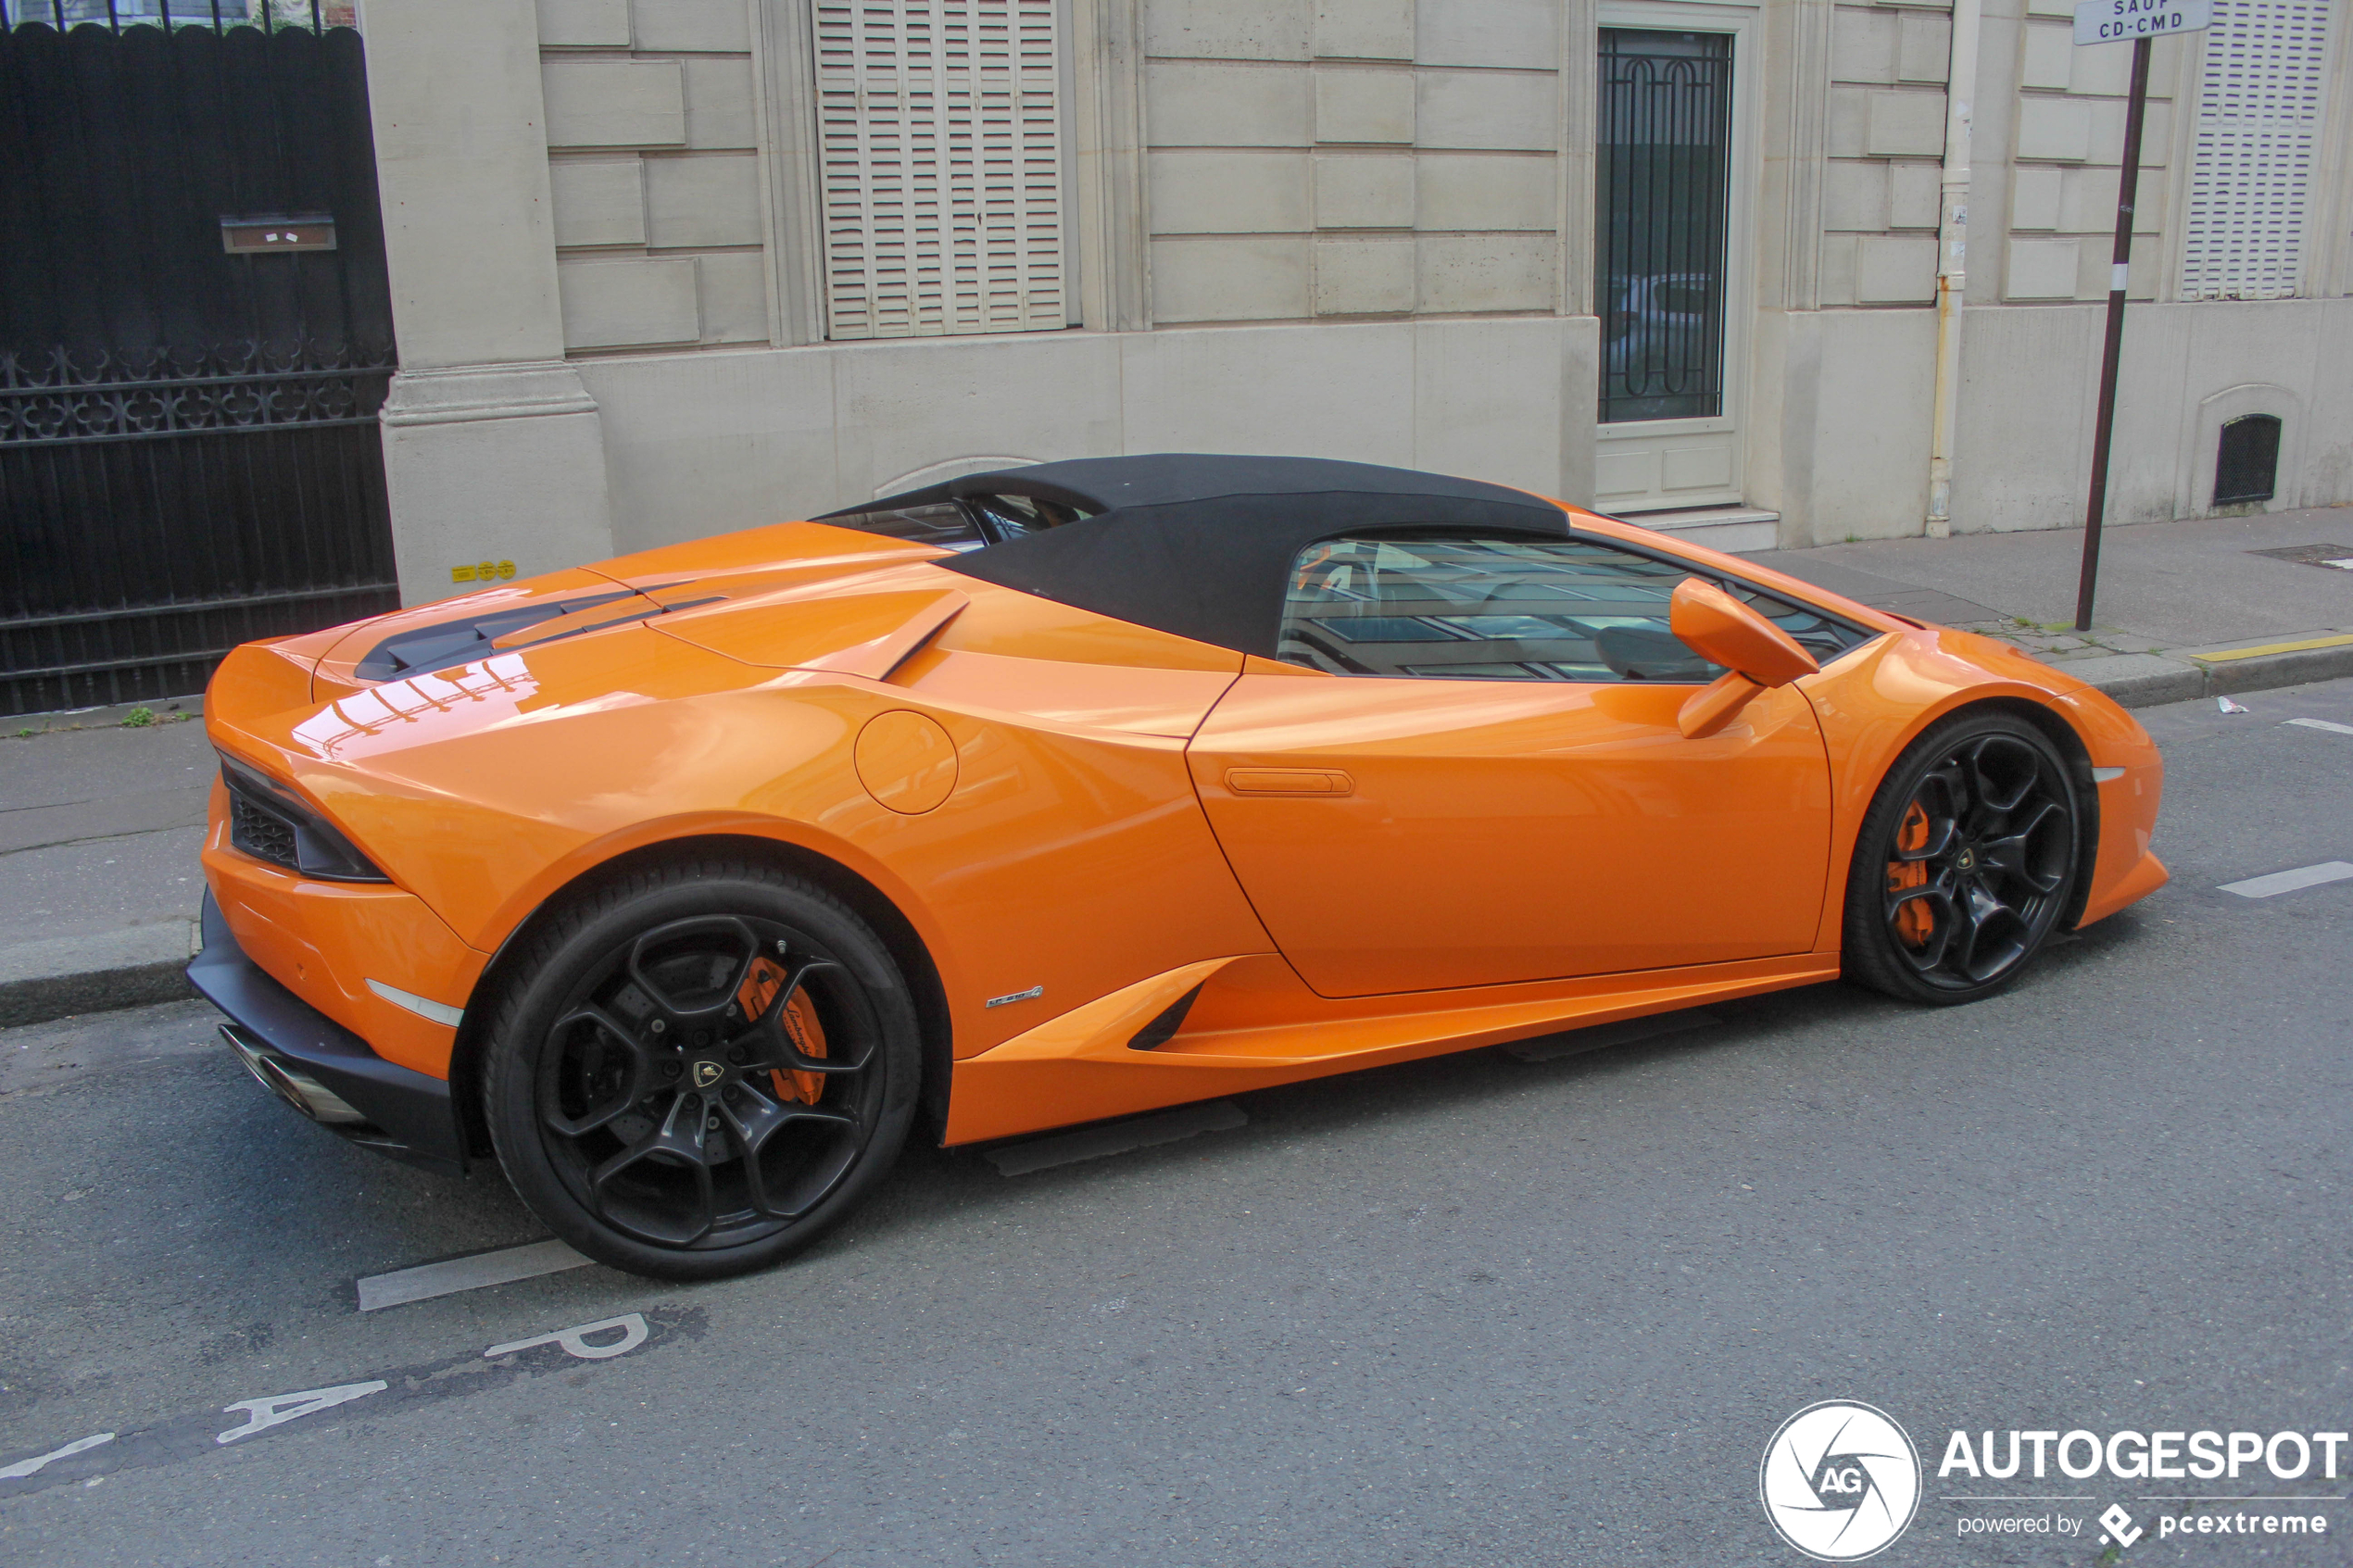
x,y
1288,781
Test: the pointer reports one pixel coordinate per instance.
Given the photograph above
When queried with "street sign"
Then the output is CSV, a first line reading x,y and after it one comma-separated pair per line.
x,y
2114,21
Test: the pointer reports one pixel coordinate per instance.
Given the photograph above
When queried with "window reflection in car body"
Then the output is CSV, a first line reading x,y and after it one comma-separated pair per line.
x,y
1455,605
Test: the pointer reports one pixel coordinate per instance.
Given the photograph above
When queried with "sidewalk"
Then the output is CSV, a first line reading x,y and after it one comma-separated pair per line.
x,y
99,887
2196,608
100,825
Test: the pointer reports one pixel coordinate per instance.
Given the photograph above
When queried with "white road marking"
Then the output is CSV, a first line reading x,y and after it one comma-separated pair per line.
x,y
24,1467
2288,882
2323,724
1550,1047
575,1340
451,1276
1093,1143
278,1409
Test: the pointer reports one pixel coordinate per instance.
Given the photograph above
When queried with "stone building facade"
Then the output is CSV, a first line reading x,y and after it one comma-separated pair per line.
x,y
668,267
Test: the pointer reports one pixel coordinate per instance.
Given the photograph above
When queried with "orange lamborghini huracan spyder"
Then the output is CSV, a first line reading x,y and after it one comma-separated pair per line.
x,y
682,884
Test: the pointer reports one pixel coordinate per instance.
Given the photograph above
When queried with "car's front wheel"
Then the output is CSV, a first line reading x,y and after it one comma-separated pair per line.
x,y
701,1068
1966,861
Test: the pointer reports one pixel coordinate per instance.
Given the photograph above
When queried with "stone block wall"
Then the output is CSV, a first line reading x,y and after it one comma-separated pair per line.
x,y
2066,155
1885,146
1352,158
655,173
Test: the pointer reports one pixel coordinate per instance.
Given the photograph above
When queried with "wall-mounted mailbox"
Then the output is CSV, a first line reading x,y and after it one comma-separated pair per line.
x,y
256,236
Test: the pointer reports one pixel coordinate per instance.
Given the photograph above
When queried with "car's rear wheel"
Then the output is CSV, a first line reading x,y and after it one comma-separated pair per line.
x,y
701,1069
1966,861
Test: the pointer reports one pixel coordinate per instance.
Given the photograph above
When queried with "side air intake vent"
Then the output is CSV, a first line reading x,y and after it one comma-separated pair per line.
x,y
1163,1029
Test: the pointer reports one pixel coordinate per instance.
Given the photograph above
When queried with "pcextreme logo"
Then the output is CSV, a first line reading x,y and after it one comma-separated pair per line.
x,y
1840,1481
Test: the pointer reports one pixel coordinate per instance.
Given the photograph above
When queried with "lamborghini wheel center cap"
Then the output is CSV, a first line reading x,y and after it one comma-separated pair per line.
x,y
708,1072
1967,861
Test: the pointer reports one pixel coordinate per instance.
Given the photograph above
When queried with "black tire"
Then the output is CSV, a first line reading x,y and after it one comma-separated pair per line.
x,y
1964,863
700,1068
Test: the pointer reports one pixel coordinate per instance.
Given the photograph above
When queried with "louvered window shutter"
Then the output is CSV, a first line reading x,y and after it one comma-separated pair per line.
x,y
2258,131
941,127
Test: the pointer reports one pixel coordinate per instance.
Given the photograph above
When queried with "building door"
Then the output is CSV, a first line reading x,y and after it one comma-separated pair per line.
x,y
1668,265
195,336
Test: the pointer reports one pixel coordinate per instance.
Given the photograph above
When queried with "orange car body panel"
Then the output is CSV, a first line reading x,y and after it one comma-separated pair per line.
x,y
325,940
1051,798
1493,831
1066,852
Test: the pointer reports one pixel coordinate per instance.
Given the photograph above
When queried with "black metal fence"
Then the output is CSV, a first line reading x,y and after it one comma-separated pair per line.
x,y
189,456
218,15
1664,141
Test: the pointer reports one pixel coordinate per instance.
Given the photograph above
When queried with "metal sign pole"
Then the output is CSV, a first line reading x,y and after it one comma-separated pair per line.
x,y
2127,188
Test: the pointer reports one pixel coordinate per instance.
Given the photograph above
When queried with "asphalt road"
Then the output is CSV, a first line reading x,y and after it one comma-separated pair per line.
x,y
1468,1312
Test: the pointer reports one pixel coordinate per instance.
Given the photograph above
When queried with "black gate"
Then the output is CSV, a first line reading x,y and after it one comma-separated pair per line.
x,y
189,374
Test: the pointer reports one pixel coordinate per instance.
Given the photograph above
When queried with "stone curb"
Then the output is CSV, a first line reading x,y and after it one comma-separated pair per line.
x,y
64,975
167,710
2145,680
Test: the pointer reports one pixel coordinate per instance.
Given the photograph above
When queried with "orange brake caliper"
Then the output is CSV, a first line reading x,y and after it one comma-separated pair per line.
x,y
1914,923
808,1036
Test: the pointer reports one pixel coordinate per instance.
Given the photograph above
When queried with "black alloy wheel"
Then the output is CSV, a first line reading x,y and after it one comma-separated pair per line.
x,y
701,1069
1966,861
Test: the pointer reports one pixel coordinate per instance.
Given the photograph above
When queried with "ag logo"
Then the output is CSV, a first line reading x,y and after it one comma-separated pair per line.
x,y
1840,1481
708,1073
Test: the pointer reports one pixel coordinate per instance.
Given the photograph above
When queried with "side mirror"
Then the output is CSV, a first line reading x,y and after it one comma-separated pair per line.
x,y
1755,653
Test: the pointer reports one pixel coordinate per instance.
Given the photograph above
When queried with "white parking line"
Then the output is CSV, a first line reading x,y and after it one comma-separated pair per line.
x,y
2288,882
453,1275
2323,724
1119,1138
1551,1048
33,1466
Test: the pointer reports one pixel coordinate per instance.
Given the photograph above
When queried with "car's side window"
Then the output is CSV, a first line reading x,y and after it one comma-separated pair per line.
x,y
962,525
1504,608
943,523
1809,628
1010,517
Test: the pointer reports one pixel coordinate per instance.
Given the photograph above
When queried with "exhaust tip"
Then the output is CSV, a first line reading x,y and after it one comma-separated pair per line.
x,y
289,1082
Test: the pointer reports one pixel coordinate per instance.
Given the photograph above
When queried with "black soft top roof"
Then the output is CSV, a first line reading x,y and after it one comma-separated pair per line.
x,y
1200,545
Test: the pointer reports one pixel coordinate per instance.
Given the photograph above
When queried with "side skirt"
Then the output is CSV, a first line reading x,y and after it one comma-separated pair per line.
x,y
1081,1067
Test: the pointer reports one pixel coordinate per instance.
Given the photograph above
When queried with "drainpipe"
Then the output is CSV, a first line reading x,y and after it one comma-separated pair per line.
x,y
1952,249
